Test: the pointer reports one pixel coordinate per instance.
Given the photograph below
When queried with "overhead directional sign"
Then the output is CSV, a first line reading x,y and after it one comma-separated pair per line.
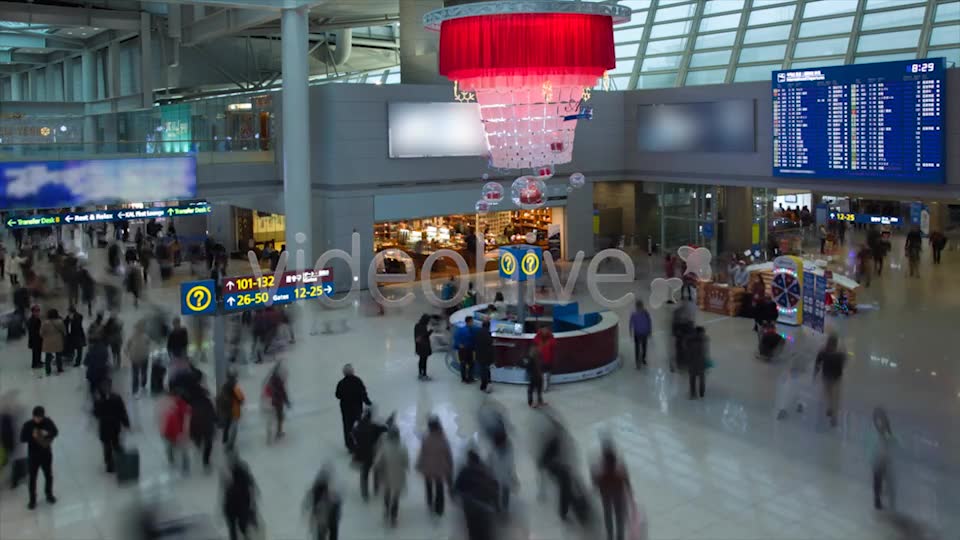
x,y
284,295
288,279
104,216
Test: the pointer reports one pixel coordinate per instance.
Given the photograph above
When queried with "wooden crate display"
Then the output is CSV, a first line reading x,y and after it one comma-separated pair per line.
x,y
719,299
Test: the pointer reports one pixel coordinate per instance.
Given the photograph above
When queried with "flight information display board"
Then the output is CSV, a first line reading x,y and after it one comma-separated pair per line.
x,y
882,121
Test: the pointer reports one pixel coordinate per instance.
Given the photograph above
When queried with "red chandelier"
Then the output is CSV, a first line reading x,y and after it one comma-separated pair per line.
x,y
528,63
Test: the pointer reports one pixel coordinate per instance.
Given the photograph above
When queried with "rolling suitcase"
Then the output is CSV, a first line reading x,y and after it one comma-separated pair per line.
x,y
157,373
20,469
128,465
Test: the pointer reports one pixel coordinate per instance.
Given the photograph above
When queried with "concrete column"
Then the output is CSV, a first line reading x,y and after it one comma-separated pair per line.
x,y
67,67
88,85
418,46
33,78
296,133
146,59
16,87
113,70
738,213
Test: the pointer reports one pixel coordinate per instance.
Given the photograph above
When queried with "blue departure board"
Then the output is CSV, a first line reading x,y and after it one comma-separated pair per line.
x,y
882,121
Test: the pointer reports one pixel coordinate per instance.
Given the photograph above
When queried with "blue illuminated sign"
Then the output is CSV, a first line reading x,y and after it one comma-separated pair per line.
x,y
518,263
105,216
882,121
283,295
198,297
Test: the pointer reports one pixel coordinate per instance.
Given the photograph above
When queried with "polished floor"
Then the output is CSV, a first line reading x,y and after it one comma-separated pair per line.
x,y
719,469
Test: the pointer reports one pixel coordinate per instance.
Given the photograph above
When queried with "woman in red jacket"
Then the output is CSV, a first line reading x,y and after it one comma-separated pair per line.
x,y
547,345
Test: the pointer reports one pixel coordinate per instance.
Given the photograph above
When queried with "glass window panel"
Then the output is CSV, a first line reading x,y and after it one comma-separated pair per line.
x,y
772,15
623,35
626,51
952,56
675,45
670,29
708,41
828,7
823,47
945,35
885,58
657,80
674,13
892,19
770,33
721,6
635,5
765,3
817,63
948,12
755,73
618,83
656,63
722,22
825,27
759,54
877,4
393,78
713,58
624,67
710,76
668,2
905,39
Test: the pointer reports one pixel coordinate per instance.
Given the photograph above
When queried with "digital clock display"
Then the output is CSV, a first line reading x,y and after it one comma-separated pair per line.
x,y
922,67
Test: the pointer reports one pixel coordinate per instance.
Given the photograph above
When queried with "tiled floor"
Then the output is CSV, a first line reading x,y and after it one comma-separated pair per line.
x,y
720,469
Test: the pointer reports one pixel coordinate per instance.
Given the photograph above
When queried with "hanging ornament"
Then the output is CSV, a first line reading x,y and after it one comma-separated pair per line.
x,y
528,192
482,207
492,193
577,180
485,177
545,172
531,237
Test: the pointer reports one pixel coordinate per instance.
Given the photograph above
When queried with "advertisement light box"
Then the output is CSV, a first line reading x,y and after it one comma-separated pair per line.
x,y
420,130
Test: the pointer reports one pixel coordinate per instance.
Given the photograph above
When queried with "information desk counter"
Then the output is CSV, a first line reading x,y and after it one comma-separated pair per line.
x,y
589,349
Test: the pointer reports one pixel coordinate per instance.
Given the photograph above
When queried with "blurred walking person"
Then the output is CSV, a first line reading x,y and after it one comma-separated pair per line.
x,y
353,396
485,355
229,408
435,463
203,423
477,491
53,333
178,340
421,338
912,247
277,400
464,343
240,500
640,329
137,350
547,346
830,362
882,443
76,337
174,424
38,433
611,480
35,340
534,368
322,504
696,353
391,465
112,418
366,436
503,467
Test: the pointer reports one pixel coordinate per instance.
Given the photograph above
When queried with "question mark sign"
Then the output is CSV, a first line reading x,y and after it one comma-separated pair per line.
x,y
198,297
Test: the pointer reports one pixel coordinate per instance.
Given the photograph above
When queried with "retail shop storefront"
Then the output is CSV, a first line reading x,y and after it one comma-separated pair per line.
x,y
408,241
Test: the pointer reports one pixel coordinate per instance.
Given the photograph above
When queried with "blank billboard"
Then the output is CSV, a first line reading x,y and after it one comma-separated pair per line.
x,y
720,126
61,184
419,130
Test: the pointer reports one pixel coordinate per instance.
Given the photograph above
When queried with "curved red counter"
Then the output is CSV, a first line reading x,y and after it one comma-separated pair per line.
x,y
580,354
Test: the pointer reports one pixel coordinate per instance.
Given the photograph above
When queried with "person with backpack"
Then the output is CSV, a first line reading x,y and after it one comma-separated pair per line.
x,y
229,408
278,400
322,504
435,463
112,418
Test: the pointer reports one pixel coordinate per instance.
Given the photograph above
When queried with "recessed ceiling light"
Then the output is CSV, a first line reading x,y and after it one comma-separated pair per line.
x,y
83,33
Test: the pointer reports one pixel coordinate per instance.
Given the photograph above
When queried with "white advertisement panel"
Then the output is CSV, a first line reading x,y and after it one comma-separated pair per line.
x,y
419,130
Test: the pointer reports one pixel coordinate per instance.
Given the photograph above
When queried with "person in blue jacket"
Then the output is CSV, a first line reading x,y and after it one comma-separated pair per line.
x,y
463,342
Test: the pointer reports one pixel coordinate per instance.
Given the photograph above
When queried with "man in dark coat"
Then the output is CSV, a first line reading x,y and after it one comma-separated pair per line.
x,y
421,338
366,434
203,421
76,337
178,340
112,417
39,433
97,362
484,345
353,396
